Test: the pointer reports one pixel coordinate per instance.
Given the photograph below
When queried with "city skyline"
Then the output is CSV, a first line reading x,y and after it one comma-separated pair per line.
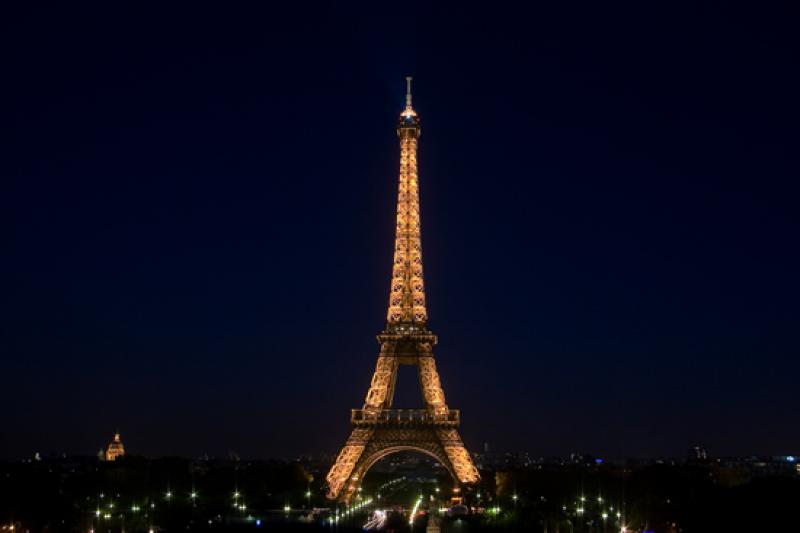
x,y
198,223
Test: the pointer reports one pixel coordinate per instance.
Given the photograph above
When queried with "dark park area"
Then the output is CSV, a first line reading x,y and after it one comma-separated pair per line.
x,y
173,494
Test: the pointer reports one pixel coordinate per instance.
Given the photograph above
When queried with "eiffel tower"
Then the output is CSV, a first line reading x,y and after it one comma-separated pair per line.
x,y
379,430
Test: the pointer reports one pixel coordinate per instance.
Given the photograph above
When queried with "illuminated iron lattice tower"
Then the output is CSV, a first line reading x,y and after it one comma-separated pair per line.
x,y
379,430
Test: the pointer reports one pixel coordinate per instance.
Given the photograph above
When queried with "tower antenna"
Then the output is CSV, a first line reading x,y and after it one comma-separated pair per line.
x,y
408,92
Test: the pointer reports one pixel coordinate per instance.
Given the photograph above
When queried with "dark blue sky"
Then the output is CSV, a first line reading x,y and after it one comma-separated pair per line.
x,y
198,206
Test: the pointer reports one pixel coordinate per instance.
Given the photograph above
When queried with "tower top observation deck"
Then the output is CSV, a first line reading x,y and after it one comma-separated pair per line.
x,y
408,124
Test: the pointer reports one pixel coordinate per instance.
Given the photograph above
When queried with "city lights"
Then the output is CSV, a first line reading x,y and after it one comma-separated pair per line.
x,y
414,511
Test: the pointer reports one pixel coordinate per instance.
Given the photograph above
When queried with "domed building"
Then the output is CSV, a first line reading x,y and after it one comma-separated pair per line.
x,y
115,448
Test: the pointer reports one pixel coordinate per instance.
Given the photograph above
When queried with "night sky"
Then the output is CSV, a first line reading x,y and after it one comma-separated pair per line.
x,y
198,211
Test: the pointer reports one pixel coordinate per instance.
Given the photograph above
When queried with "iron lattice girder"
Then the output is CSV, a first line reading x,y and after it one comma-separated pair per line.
x,y
402,418
407,293
379,430
404,333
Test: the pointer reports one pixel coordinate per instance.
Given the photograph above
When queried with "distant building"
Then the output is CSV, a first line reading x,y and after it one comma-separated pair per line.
x,y
698,453
115,449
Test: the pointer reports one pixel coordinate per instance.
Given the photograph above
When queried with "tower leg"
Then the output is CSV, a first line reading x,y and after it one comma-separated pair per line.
x,y
463,468
345,464
431,385
381,388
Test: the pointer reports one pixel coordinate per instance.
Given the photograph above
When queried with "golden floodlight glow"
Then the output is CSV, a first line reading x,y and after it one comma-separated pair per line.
x,y
379,430
115,449
407,293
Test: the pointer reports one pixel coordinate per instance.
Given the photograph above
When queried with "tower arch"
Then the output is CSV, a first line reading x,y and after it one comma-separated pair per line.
x,y
377,455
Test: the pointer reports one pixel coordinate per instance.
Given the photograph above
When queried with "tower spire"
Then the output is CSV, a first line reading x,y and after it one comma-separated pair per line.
x,y
407,295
